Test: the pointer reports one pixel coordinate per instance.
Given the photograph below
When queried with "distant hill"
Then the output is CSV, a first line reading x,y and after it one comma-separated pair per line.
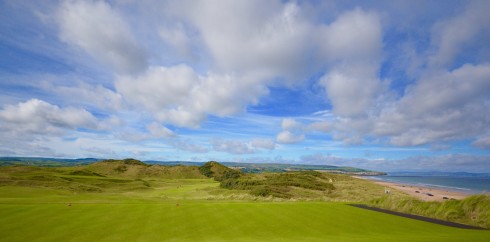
x,y
275,167
131,168
243,167
48,162
441,174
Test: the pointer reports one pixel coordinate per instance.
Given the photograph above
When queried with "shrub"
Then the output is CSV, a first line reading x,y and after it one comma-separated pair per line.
x,y
218,171
121,168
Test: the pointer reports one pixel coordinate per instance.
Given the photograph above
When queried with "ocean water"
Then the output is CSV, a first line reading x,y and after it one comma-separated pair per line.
x,y
471,185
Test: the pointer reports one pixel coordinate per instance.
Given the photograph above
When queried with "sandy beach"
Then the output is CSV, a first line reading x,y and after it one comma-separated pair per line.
x,y
420,192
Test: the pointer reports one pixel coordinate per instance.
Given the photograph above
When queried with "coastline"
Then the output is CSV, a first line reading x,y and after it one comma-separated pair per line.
x,y
423,193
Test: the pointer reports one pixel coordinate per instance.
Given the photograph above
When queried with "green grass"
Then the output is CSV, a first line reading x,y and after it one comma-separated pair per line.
x,y
473,210
43,214
216,221
140,204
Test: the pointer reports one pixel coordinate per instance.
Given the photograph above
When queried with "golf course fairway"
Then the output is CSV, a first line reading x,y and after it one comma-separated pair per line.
x,y
216,221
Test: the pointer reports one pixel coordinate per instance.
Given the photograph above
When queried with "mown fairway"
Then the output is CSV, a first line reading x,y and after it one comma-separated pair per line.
x,y
191,220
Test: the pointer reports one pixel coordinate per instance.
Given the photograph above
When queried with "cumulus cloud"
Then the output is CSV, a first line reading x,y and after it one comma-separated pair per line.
x,y
451,35
267,144
354,35
354,43
178,39
442,107
482,142
157,130
320,126
180,96
290,124
95,96
38,117
287,137
447,106
98,29
292,132
262,46
252,49
262,37
159,87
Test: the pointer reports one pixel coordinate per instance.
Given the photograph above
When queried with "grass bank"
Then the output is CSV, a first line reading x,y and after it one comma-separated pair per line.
x,y
474,210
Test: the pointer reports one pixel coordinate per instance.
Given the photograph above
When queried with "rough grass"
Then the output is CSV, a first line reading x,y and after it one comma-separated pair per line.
x,y
282,185
474,210
108,176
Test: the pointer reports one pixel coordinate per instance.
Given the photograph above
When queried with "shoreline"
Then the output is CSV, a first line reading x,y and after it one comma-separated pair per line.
x,y
424,193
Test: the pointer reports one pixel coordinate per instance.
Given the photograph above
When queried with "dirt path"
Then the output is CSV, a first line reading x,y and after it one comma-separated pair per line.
x,y
417,217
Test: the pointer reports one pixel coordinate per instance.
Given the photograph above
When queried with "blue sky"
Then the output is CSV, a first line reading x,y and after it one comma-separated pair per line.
x,y
383,85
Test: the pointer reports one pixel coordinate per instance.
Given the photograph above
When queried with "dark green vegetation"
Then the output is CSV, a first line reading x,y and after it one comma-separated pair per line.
x,y
474,210
127,200
282,185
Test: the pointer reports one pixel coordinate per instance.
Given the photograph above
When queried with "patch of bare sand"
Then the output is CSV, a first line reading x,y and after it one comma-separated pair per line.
x,y
422,193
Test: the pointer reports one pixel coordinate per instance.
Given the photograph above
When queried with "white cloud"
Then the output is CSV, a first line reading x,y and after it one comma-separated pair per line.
x,y
440,107
178,39
290,124
294,131
354,43
354,35
268,37
450,36
95,96
447,106
267,144
159,88
38,117
351,94
187,145
98,29
321,126
157,130
482,142
287,137
180,96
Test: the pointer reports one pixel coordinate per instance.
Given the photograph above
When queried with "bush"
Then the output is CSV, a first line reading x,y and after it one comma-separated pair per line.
x,y
218,171
275,191
121,168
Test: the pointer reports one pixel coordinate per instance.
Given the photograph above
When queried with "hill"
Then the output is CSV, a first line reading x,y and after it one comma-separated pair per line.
x,y
134,169
243,167
46,162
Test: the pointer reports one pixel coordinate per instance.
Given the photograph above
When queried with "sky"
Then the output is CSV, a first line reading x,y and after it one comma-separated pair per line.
x,y
381,85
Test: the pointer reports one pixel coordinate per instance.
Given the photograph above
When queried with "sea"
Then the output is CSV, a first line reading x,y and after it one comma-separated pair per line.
x,y
470,185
